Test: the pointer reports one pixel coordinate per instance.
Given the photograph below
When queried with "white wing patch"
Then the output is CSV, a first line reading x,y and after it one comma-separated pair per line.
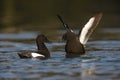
x,y
37,55
83,36
89,27
71,30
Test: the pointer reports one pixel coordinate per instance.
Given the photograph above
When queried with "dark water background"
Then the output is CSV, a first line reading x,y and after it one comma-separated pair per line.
x,y
22,20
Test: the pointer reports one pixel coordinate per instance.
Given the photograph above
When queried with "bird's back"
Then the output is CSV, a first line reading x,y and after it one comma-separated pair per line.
x,y
74,47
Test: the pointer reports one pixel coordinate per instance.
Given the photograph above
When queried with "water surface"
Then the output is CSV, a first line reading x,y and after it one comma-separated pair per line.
x,y
102,59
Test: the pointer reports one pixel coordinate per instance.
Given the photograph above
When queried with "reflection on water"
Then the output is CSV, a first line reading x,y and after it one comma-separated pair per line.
x,y
100,62
88,71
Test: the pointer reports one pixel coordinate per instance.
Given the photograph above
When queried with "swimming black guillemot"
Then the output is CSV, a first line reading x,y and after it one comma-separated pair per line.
x,y
75,44
42,51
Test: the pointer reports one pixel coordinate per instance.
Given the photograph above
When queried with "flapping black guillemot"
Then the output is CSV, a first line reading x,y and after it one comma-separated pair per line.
x,y
75,44
42,51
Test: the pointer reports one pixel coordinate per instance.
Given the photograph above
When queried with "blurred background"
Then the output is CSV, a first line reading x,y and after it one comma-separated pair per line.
x,y
22,20
36,15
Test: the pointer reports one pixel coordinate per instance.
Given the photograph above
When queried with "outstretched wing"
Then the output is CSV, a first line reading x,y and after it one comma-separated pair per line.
x,y
88,28
64,24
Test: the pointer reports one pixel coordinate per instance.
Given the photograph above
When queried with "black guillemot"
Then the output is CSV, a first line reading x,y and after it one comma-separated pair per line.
x,y
75,44
42,51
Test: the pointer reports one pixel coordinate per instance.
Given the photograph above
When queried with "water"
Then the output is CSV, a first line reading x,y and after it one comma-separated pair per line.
x,y
102,59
